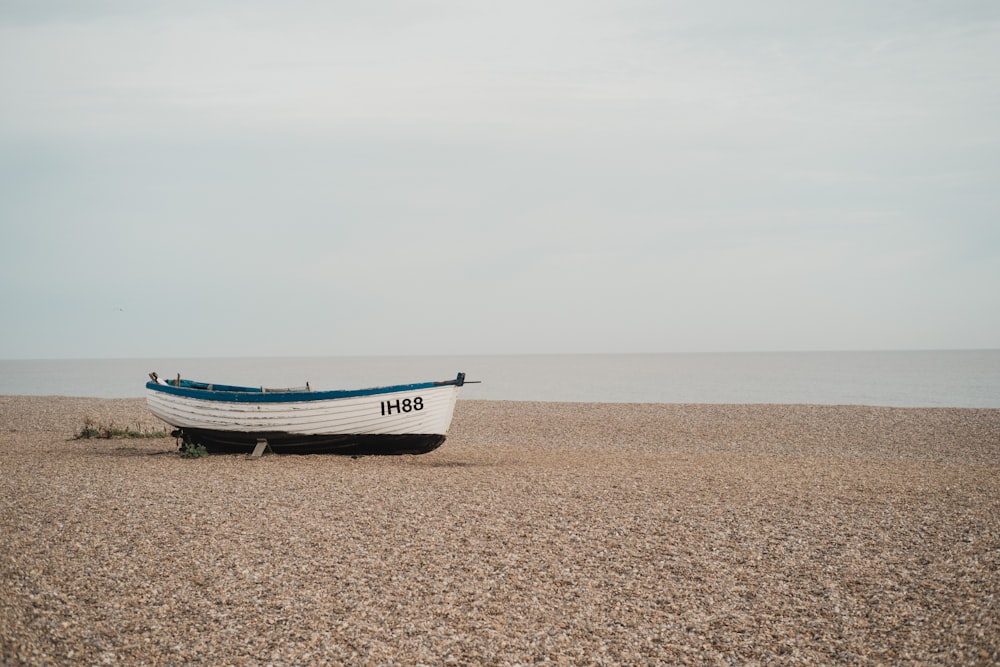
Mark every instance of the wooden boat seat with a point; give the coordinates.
(284, 390)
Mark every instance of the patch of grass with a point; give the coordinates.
(192, 450)
(92, 429)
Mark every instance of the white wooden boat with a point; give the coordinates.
(401, 419)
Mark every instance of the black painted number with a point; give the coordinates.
(404, 405)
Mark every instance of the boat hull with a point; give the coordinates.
(404, 419)
(355, 444)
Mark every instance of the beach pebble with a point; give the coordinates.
(539, 533)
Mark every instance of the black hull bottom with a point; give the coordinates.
(288, 443)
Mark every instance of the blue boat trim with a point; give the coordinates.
(233, 394)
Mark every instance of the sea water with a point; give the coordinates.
(958, 378)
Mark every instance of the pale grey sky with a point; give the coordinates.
(454, 177)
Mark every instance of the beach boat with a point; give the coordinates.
(401, 419)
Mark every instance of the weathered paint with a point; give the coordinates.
(395, 419)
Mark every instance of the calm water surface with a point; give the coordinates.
(908, 379)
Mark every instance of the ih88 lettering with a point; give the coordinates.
(405, 405)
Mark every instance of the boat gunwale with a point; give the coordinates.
(236, 394)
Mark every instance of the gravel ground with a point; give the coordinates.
(539, 532)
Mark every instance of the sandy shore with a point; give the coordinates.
(539, 532)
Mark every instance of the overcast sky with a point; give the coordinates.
(457, 177)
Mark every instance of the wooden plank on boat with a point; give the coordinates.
(404, 418)
(258, 451)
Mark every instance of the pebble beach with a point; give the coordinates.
(539, 533)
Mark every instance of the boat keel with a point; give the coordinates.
(290, 443)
